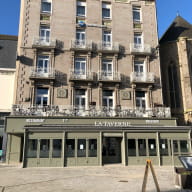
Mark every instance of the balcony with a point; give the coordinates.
(109, 76)
(92, 111)
(138, 77)
(81, 75)
(140, 49)
(42, 42)
(42, 73)
(81, 45)
(112, 47)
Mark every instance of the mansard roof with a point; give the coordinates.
(179, 28)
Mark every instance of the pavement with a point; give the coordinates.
(110, 178)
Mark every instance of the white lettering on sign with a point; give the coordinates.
(35, 120)
(151, 121)
(112, 124)
(65, 120)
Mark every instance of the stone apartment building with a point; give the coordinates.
(176, 64)
(89, 87)
(8, 47)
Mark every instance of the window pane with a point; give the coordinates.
(152, 147)
(32, 148)
(131, 147)
(81, 150)
(175, 146)
(81, 10)
(142, 147)
(44, 148)
(164, 147)
(46, 7)
(57, 146)
(92, 147)
(70, 148)
(105, 13)
(184, 146)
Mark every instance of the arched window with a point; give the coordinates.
(173, 86)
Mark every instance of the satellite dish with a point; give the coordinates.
(81, 24)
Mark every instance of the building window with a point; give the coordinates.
(107, 68)
(80, 37)
(81, 148)
(44, 148)
(108, 98)
(80, 98)
(107, 38)
(139, 66)
(152, 147)
(81, 8)
(32, 148)
(138, 40)
(173, 86)
(92, 147)
(184, 146)
(136, 14)
(57, 146)
(164, 147)
(106, 11)
(43, 64)
(80, 66)
(42, 95)
(142, 147)
(70, 148)
(45, 34)
(131, 147)
(140, 99)
(46, 6)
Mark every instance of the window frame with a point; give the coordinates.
(46, 1)
(42, 96)
(106, 6)
(136, 9)
(78, 5)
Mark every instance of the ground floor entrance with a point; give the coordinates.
(111, 150)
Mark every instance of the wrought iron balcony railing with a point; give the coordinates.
(81, 44)
(141, 77)
(91, 111)
(108, 46)
(42, 73)
(140, 48)
(81, 75)
(44, 42)
(108, 76)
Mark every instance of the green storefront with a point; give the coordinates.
(58, 142)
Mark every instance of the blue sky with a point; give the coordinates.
(166, 12)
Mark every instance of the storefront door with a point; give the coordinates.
(111, 150)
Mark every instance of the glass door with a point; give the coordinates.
(43, 65)
(107, 38)
(107, 69)
(45, 34)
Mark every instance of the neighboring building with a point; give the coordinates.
(89, 87)
(8, 48)
(176, 64)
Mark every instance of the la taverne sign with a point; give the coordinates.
(112, 123)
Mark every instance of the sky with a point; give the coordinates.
(167, 10)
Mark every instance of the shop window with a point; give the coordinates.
(92, 147)
(152, 147)
(44, 148)
(70, 148)
(164, 147)
(57, 146)
(32, 148)
(184, 147)
(142, 147)
(175, 147)
(81, 149)
(131, 147)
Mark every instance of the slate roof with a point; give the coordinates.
(8, 49)
(179, 28)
